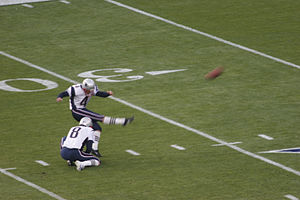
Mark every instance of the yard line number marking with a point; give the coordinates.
(4, 171)
(289, 150)
(155, 73)
(253, 155)
(49, 85)
(203, 33)
(120, 73)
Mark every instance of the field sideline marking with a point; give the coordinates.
(203, 33)
(253, 155)
(291, 197)
(4, 171)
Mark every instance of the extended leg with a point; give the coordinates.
(121, 121)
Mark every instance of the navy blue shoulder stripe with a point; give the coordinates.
(72, 98)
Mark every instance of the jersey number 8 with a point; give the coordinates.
(75, 132)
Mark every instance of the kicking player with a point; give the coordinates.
(72, 145)
(79, 95)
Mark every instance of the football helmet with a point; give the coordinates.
(88, 84)
(86, 121)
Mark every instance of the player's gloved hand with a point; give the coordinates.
(58, 99)
(110, 93)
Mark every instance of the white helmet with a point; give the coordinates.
(86, 121)
(88, 84)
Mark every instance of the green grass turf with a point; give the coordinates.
(255, 95)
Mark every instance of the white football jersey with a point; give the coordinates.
(78, 98)
(77, 135)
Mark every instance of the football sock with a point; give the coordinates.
(113, 120)
(97, 134)
(92, 162)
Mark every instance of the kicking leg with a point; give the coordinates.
(101, 118)
(121, 121)
(97, 132)
(79, 113)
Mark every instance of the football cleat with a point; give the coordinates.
(128, 120)
(79, 165)
(96, 153)
(70, 163)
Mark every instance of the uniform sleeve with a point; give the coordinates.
(99, 93)
(90, 141)
(71, 91)
(102, 94)
(89, 146)
(63, 94)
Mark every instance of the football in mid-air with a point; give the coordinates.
(214, 73)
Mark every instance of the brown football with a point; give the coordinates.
(214, 73)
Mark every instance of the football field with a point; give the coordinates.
(235, 137)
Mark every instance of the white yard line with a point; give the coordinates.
(291, 197)
(154, 73)
(12, 168)
(4, 171)
(178, 147)
(253, 155)
(42, 162)
(28, 5)
(203, 33)
(37, 67)
(132, 152)
(265, 137)
(232, 143)
(14, 2)
(65, 2)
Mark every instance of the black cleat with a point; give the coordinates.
(70, 163)
(128, 120)
(96, 153)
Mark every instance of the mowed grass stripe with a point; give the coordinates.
(253, 155)
(43, 190)
(204, 34)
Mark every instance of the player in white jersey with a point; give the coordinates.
(80, 95)
(72, 145)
